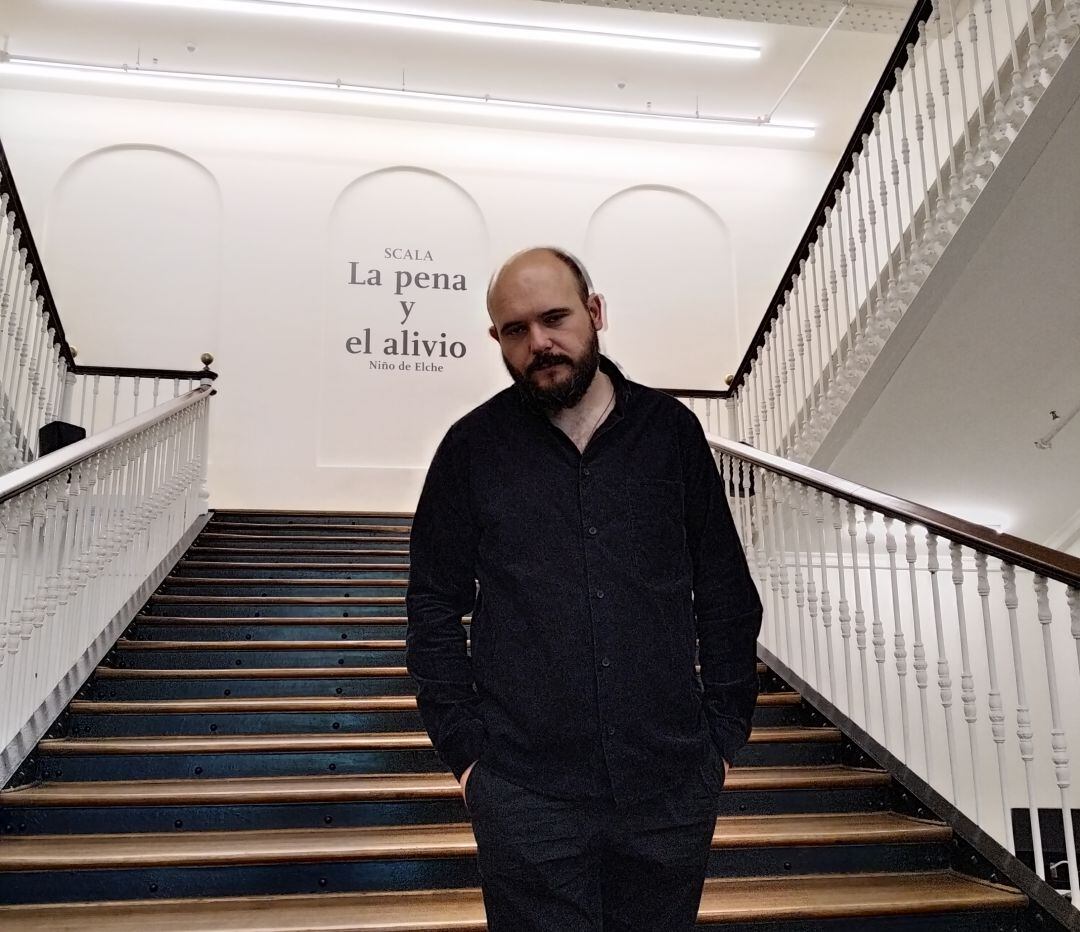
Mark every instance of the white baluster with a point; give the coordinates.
(843, 610)
(1058, 742)
(967, 679)
(996, 707)
(899, 645)
(860, 616)
(826, 600)
(918, 648)
(944, 676)
(878, 631)
(800, 583)
(811, 586)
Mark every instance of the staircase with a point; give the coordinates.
(249, 756)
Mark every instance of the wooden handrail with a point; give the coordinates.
(897, 59)
(1014, 550)
(26, 477)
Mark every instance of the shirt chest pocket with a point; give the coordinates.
(658, 531)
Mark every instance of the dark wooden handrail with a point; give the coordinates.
(1015, 550)
(15, 206)
(898, 59)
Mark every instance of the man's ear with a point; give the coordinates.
(493, 333)
(597, 308)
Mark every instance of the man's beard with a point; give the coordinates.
(560, 395)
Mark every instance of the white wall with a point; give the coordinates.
(169, 229)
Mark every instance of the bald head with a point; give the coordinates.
(548, 265)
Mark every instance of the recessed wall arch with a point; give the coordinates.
(133, 246)
(663, 259)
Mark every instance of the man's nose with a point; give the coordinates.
(539, 339)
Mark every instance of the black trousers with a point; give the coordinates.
(551, 865)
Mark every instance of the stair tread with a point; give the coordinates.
(294, 704)
(247, 846)
(279, 599)
(251, 673)
(129, 644)
(314, 565)
(346, 787)
(196, 744)
(232, 535)
(275, 581)
(260, 525)
(813, 896)
(273, 620)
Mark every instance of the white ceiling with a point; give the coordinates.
(830, 94)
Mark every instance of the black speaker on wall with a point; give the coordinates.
(57, 434)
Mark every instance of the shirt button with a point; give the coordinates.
(592, 532)
(611, 729)
(605, 662)
(599, 593)
(586, 473)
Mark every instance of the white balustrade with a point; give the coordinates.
(81, 530)
(1006, 745)
(965, 108)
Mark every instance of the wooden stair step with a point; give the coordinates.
(274, 525)
(278, 599)
(371, 787)
(292, 704)
(294, 551)
(253, 673)
(172, 580)
(724, 900)
(299, 743)
(314, 565)
(264, 673)
(321, 538)
(195, 620)
(269, 846)
(133, 645)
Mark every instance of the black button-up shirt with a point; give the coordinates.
(596, 570)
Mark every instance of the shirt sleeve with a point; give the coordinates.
(727, 608)
(442, 588)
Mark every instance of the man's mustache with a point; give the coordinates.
(546, 363)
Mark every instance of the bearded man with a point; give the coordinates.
(589, 509)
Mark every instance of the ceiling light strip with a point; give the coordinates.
(454, 25)
(426, 101)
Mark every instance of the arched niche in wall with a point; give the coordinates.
(133, 252)
(405, 349)
(663, 260)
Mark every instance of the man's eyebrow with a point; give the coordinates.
(550, 310)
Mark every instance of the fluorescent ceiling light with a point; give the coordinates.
(337, 11)
(427, 102)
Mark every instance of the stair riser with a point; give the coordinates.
(261, 590)
(239, 688)
(330, 571)
(257, 609)
(247, 689)
(233, 555)
(54, 821)
(257, 658)
(302, 541)
(105, 725)
(406, 874)
(203, 818)
(242, 723)
(354, 630)
(147, 765)
(289, 520)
